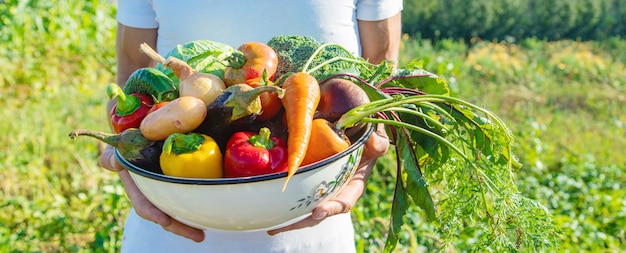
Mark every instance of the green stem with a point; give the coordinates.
(322, 47)
(262, 140)
(490, 184)
(362, 114)
(129, 143)
(438, 109)
(108, 138)
(489, 114)
(338, 58)
(420, 114)
(317, 52)
(237, 59)
(179, 143)
(126, 104)
(356, 114)
(365, 110)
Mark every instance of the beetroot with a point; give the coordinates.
(337, 96)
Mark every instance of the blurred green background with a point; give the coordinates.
(554, 71)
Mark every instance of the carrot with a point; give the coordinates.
(324, 134)
(302, 95)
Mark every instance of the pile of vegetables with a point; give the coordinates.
(208, 110)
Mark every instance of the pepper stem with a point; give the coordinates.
(126, 105)
(262, 140)
(178, 143)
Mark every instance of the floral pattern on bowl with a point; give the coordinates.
(323, 189)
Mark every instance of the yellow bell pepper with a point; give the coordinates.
(192, 156)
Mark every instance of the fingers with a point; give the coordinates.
(145, 209)
(346, 199)
(181, 229)
(342, 203)
(376, 145)
(108, 161)
(142, 205)
(307, 222)
(321, 212)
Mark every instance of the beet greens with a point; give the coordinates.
(463, 150)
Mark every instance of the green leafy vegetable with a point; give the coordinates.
(440, 141)
(204, 56)
(297, 53)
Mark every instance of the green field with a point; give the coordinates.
(565, 101)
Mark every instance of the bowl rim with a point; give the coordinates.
(240, 180)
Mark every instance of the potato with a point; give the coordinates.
(181, 115)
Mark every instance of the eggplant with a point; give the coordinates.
(232, 111)
(132, 145)
(275, 125)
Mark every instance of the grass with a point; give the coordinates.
(564, 101)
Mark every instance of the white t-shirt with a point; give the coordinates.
(334, 235)
(235, 22)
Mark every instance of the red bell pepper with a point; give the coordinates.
(129, 110)
(252, 154)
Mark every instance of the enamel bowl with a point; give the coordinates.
(250, 203)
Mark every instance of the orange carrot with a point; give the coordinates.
(324, 134)
(302, 94)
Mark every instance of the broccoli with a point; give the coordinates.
(294, 51)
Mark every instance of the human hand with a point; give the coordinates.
(144, 208)
(375, 146)
(108, 161)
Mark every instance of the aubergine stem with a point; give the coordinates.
(129, 142)
(245, 100)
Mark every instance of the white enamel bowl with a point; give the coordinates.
(249, 203)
